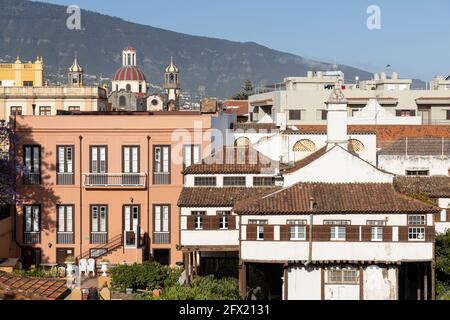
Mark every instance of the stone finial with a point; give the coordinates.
(337, 96)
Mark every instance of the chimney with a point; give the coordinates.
(310, 74)
(337, 119)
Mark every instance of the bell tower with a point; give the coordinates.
(76, 74)
(172, 85)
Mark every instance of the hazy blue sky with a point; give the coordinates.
(414, 36)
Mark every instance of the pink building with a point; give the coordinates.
(104, 185)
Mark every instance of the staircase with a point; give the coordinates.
(112, 245)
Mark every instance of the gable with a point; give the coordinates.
(338, 165)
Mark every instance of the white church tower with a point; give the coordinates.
(172, 85)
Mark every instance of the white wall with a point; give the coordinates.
(380, 283)
(398, 164)
(210, 238)
(338, 166)
(443, 227)
(304, 283)
(349, 251)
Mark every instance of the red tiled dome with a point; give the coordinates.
(129, 73)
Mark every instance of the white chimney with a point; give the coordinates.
(310, 74)
(337, 119)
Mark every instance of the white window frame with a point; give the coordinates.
(416, 234)
(259, 232)
(336, 233)
(377, 233)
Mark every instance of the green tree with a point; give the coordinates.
(443, 266)
(247, 90)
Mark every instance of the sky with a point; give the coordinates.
(414, 36)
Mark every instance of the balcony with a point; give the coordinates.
(115, 180)
(31, 179)
(32, 238)
(161, 237)
(65, 179)
(65, 238)
(99, 237)
(161, 178)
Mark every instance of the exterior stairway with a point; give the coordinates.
(113, 244)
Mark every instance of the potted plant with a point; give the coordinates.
(104, 268)
(70, 261)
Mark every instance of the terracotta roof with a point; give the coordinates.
(422, 146)
(305, 161)
(388, 133)
(433, 187)
(129, 73)
(32, 288)
(218, 197)
(238, 106)
(255, 126)
(229, 160)
(334, 198)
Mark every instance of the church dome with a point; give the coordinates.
(129, 73)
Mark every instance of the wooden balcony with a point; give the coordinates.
(115, 181)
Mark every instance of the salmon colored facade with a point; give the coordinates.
(104, 182)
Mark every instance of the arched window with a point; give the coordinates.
(355, 146)
(305, 145)
(122, 101)
(242, 142)
(128, 87)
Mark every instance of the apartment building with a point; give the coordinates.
(329, 226)
(20, 74)
(38, 99)
(302, 100)
(104, 185)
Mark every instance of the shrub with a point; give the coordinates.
(204, 288)
(146, 276)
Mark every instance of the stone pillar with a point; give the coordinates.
(242, 279)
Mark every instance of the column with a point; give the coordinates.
(242, 279)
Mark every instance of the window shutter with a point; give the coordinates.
(403, 233)
(307, 232)
(232, 222)
(413, 113)
(352, 233)
(437, 217)
(285, 233)
(366, 233)
(191, 222)
(269, 233)
(387, 234)
(251, 232)
(430, 234)
(321, 233)
(448, 215)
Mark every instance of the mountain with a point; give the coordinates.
(29, 29)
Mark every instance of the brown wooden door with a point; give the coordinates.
(31, 257)
(62, 254)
